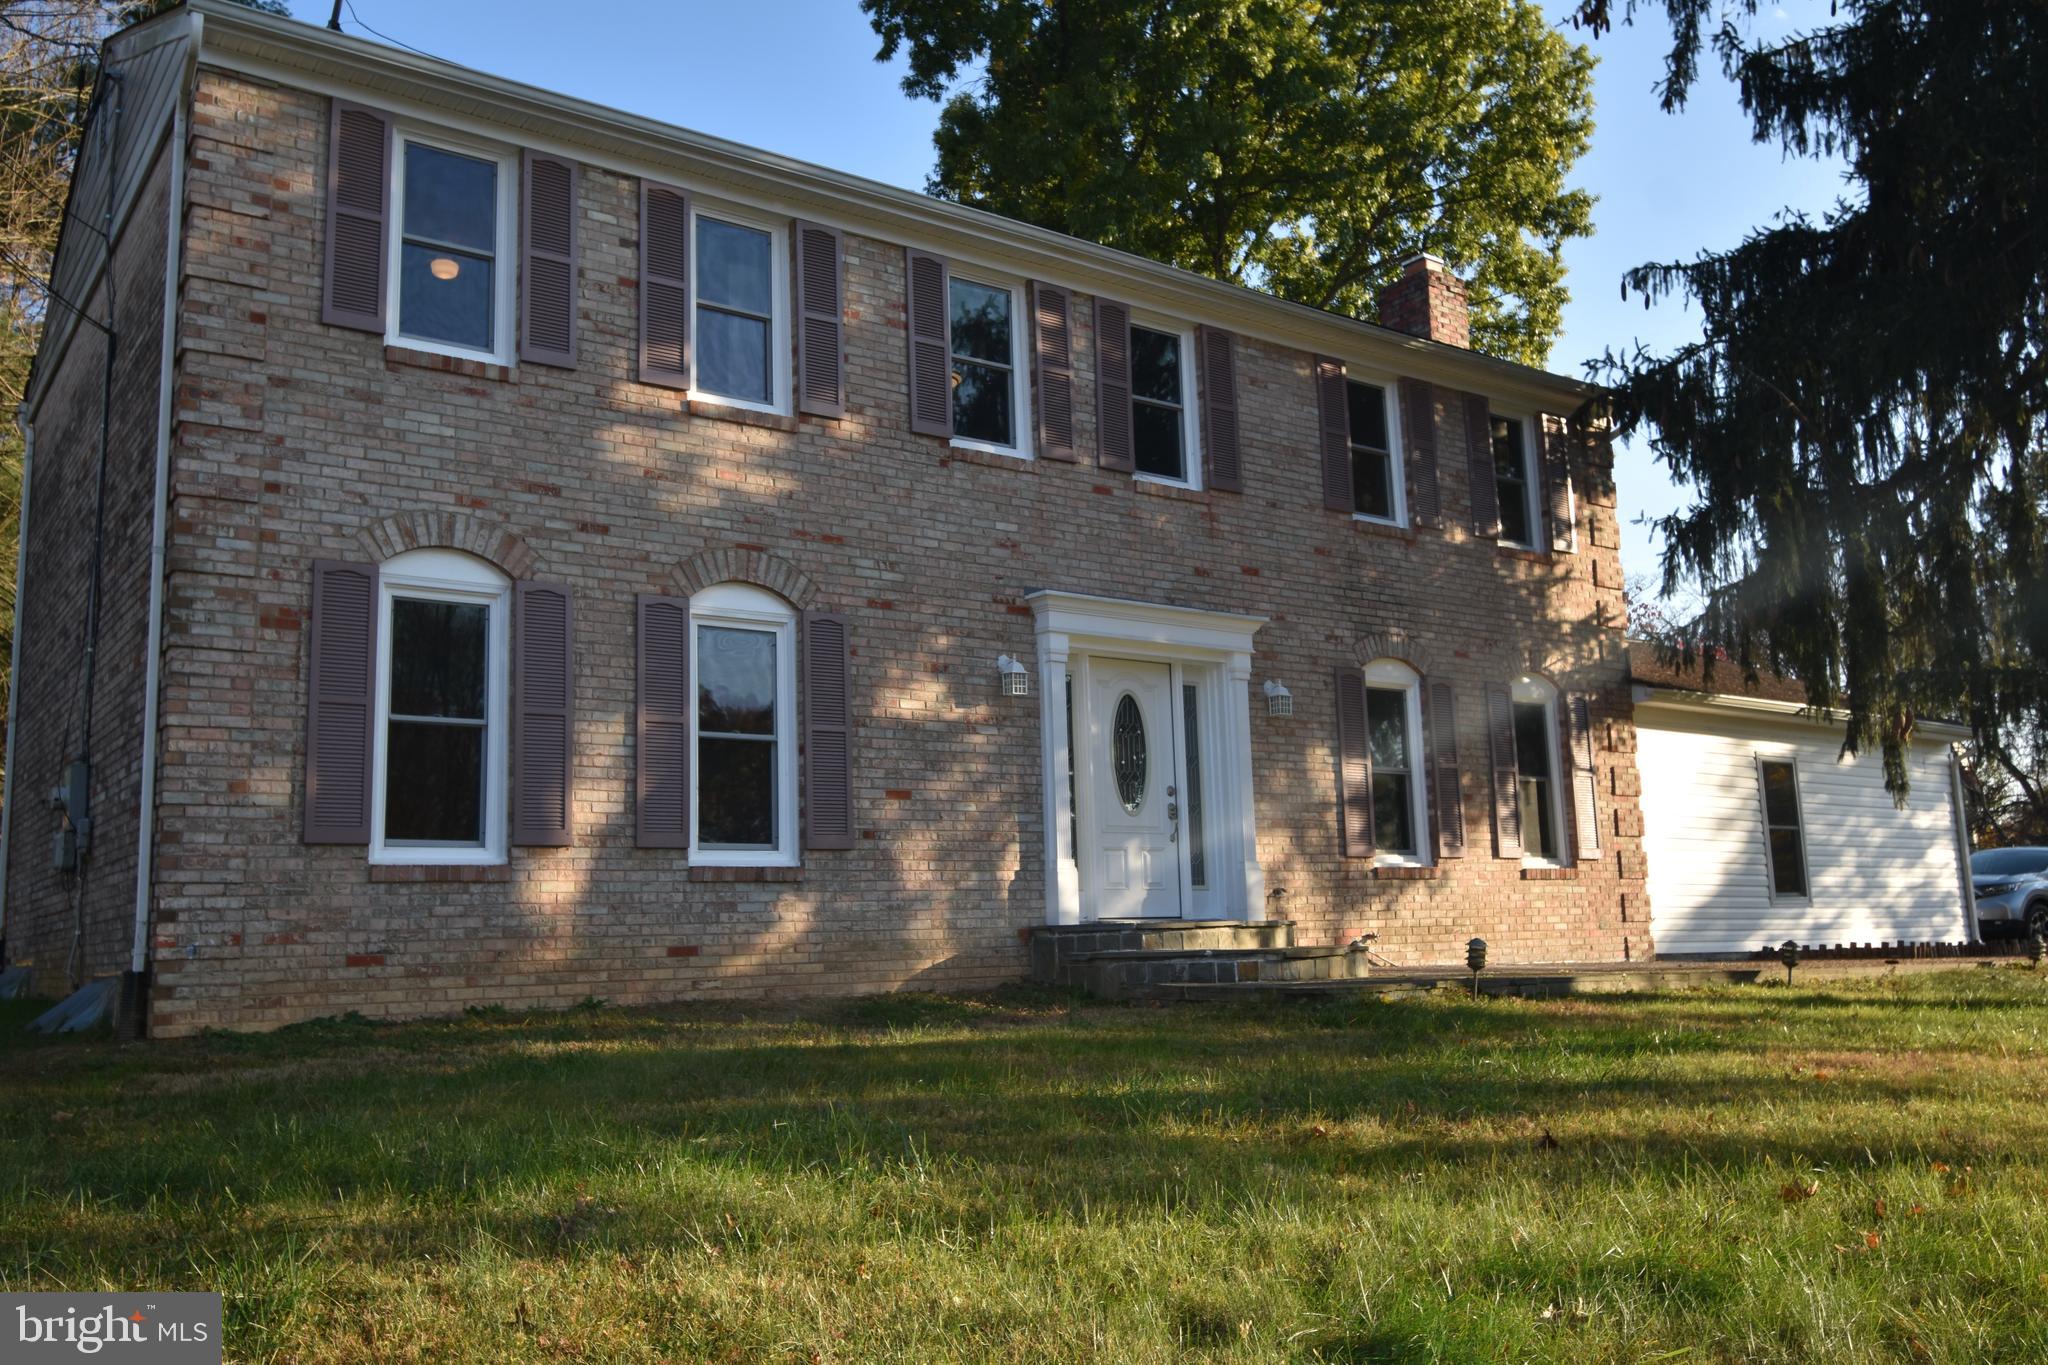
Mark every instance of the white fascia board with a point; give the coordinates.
(1767, 708)
(305, 57)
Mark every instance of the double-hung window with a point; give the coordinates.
(1784, 832)
(453, 267)
(739, 336)
(1162, 406)
(1514, 482)
(990, 393)
(1536, 763)
(743, 667)
(1375, 482)
(1393, 722)
(441, 688)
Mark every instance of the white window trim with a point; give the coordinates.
(749, 608)
(1397, 469)
(779, 355)
(1190, 405)
(1530, 690)
(1532, 481)
(504, 261)
(1763, 811)
(1021, 416)
(446, 576)
(1391, 675)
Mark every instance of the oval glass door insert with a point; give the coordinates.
(1129, 737)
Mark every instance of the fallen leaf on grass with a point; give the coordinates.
(1870, 1241)
(1547, 1143)
(1795, 1192)
(1878, 1208)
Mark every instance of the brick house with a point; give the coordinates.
(543, 553)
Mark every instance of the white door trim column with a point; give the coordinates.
(1071, 627)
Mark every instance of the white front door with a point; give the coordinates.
(1136, 798)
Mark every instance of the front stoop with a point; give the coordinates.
(1113, 958)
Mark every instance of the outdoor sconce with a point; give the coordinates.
(1016, 678)
(1475, 958)
(1279, 701)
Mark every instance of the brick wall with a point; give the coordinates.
(43, 905)
(297, 441)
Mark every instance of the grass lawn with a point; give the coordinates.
(1851, 1171)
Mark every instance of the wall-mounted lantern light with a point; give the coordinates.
(1279, 701)
(1016, 678)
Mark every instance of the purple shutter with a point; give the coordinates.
(828, 733)
(341, 701)
(1578, 739)
(1444, 773)
(1419, 452)
(547, 260)
(820, 304)
(1333, 412)
(1557, 482)
(1507, 804)
(543, 715)
(1222, 452)
(931, 353)
(1052, 355)
(664, 286)
(1354, 766)
(358, 216)
(1113, 386)
(1479, 459)
(661, 723)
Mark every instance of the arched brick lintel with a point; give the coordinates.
(424, 530)
(1395, 644)
(745, 564)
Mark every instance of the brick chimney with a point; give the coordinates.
(1427, 301)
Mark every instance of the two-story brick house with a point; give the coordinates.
(544, 553)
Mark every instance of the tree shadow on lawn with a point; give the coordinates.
(1139, 1110)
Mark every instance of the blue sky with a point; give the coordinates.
(798, 77)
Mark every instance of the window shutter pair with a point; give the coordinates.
(341, 709)
(1557, 481)
(1575, 735)
(359, 227)
(1439, 770)
(661, 786)
(928, 313)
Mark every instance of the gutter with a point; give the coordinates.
(145, 837)
(28, 464)
(1646, 695)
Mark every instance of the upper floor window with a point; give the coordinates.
(1784, 834)
(1515, 482)
(453, 278)
(1393, 721)
(1162, 415)
(989, 385)
(743, 679)
(739, 285)
(1375, 485)
(441, 729)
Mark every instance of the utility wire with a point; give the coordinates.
(385, 36)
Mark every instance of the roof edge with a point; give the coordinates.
(321, 59)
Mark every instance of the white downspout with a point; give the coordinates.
(174, 241)
(28, 464)
(1959, 805)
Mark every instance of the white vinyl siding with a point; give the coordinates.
(1875, 873)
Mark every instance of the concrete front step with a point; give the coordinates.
(1135, 975)
(1056, 947)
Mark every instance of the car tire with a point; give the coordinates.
(2037, 921)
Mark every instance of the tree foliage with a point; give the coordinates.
(1303, 148)
(1862, 421)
